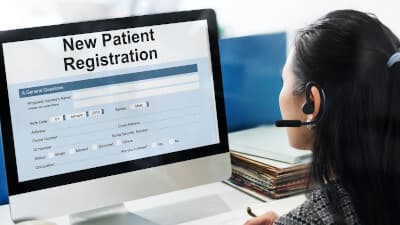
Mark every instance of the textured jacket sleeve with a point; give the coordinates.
(302, 215)
(315, 210)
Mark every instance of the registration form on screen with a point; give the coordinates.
(89, 100)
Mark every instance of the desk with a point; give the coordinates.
(215, 203)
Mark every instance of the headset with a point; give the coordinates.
(308, 108)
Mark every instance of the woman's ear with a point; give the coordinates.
(315, 97)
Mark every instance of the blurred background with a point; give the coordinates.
(236, 18)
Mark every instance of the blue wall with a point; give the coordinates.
(3, 184)
(251, 72)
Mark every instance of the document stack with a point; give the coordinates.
(264, 164)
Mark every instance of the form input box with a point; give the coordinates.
(136, 95)
(135, 86)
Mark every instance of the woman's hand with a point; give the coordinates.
(267, 218)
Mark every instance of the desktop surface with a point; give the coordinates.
(211, 204)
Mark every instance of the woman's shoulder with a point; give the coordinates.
(318, 208)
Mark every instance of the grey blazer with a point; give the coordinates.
(315, 210)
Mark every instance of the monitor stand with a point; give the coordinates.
(109, 215)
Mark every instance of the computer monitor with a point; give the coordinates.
(101, 112)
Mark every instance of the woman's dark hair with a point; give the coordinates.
(357, 141)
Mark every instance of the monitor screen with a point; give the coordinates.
(92, 101)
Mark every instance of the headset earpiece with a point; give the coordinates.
(308, 106)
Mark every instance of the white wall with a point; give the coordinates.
(255, 16)
(28, 13)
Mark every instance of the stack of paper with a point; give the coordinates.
(263, 162)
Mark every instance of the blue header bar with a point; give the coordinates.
(97, 82)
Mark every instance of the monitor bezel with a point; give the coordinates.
(15, 187)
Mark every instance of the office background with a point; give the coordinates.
(255, 38)
(236, 18)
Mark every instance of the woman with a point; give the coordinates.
(346, 68)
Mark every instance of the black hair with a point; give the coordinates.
(357, 142)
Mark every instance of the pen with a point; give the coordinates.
(250, 212)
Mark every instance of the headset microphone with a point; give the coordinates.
(308, 108)
(289, 123)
